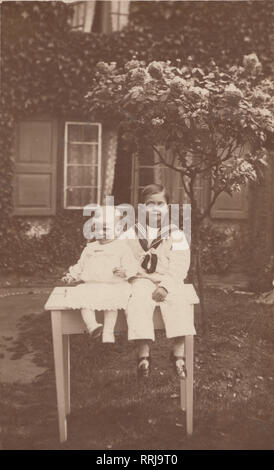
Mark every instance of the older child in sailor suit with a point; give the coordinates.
(164, 260)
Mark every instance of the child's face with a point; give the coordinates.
(105, 225)
(156, 205)
(106, 229)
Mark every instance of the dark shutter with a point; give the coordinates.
(35, 168)
(231, 207)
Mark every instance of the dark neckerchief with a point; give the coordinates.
(151, 259)
(142, 237)
(141, 233)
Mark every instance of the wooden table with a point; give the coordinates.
(66, 322)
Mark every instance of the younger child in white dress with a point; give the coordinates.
(104, 267)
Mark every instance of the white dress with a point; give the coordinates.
(102, 290)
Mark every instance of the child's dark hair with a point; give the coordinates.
(154, 188)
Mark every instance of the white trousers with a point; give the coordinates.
(176, 312)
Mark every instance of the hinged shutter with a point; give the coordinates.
(235, 206)
(35, 168)
(261, 217)
(231, 207)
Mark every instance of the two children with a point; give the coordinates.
(137, 272)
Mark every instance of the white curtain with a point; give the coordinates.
(89, 16)
(109, 157)
(169, 178)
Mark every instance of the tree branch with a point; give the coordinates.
(168, 165)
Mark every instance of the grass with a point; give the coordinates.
(13, 279)
(111, 409)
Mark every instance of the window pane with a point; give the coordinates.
(81, 12)
(146, 176)
(82, 133)
(78, 14)
(82, 175)
(83, 153)
(79, 197)
(75, 132)
(171, 180)
(140, 194)
(146, 157)
(90, 133)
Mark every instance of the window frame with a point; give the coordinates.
(66, 164)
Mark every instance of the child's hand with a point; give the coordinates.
(159, 294)
(68, 279)
(120, 272)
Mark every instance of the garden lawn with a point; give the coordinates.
(111, 409)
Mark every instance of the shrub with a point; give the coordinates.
(65, 240)
(261, 275)
(19, 252)
(25, 254)
(220, 248)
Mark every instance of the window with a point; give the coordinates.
(144, 172)
(100, 16)
(82, 166)
(119, 14)
(148, 169)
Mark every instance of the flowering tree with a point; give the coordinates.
(214, 123)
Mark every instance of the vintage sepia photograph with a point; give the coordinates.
(137, 227)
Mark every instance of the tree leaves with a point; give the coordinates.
(187, 123)
(211, 117)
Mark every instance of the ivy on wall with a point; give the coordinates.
(222, 30)
(47, 68)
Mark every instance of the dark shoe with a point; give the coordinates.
(96, 333)
(143, 366)
(178, 363)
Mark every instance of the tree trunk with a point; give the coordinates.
(200, 279)
(195, 275)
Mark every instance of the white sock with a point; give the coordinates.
(89, 318)
(143, 348)
(110, 317)
(179, 346)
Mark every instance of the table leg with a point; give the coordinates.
(66, 356)
(58, 350)
(183, 391)
(183, 394)
(189, 344)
